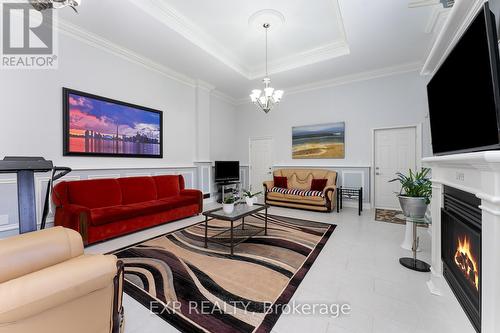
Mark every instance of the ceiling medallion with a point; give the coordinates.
(267, 100)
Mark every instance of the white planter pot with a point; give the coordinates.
(250, 201)
(228, 208)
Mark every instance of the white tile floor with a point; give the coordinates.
(358, 266)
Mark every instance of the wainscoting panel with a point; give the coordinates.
(9, 219)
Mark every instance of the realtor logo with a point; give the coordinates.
(28, 38)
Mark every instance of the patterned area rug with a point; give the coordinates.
(208, 290)
(392, 216)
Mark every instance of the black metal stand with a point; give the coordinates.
(414, 263)
(350, 193)
(25, 168)
(26, 200)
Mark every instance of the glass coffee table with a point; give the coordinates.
(236, 233)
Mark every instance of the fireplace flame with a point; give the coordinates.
(465, 260)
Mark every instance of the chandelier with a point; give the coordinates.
(269, 98)
(54, 4)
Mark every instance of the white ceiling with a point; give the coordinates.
(213, 41)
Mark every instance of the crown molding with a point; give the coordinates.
(423, 3)
(224, 97)
(160, 10)
(106, 45)
(200, 84)
(458, 20)
(438, 14)
(322, 53)
(347, 79)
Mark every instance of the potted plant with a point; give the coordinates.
(250, 198)
(228, 204)
(415, 193)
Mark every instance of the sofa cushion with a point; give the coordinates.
(105, 215)
(94, 193)
(281, 182)
(137, 189)
(300, 183)
(318, 184)
(296, 192)
(302, 198)
(167, 186)
(275, 196)
(180, 201)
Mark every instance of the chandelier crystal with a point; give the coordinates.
(270, 97)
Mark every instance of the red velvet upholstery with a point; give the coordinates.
(167, 186)
(95, 193)
(318, 184)
(137, 189)
(281, 182)
(106, 208)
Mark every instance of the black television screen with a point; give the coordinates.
(227, 171)
(464, 93)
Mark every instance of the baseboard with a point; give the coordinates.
(354, 204)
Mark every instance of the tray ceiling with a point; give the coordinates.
(212, 40)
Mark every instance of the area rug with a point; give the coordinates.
(208, 290)
(392, 216)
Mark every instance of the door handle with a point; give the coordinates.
(377, 173)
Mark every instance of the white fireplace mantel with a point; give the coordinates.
(479, 174)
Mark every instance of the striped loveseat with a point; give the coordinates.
(298, 193)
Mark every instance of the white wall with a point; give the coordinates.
(31, 105)
(382, 102)
(223, 135)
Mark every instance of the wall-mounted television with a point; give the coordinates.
(464, 95)
(100, 126)
(227, 171)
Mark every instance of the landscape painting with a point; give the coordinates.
(319, 141)
(103, 127)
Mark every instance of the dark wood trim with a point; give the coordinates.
(83, 227)
(118, 312)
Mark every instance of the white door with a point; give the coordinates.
(261, 163)
(395, 151)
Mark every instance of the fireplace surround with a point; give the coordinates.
(478, 175)
(461, 249)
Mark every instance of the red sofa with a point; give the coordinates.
(101, 209)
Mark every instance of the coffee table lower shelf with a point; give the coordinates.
(235, 235)
(238, 232)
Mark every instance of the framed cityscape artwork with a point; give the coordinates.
(99, 126)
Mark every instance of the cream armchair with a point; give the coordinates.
(47, 285)
(301, 179)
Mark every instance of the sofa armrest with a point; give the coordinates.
(268, 185)
(330, 192)
(75, 217)
(194, 193)
(34, 293)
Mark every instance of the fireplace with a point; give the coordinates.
(461, 250)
